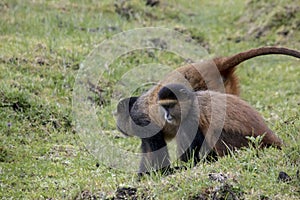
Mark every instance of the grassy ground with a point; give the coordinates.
(41, 47)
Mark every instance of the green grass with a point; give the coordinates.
(41, 47)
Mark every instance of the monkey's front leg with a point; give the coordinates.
(155, 155)
(189, 145)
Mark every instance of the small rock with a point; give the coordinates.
(152, 3)
(125, 193)
(284, 177)
(217, 177)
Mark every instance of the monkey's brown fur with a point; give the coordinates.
(240, 119)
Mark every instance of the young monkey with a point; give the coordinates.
(223, 121)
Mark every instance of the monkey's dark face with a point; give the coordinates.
(170, 111)
(175, 101)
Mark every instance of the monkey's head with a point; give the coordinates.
(132, 120)
(123, 114)
(175, 102)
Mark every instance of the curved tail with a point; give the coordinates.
(225, 63)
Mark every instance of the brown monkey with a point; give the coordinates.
(133, 114)
(182, 109)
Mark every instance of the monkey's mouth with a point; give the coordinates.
(170, 119)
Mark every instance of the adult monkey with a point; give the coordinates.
(136, 115)
(181, 109)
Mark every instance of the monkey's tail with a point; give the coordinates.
(226, 63)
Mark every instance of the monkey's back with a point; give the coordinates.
(230, 119)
